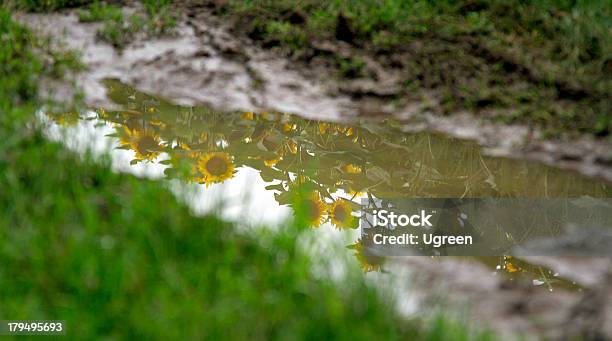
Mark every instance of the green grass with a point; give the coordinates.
(541, 62)
(48, 5)
(101, 12)
(119, 29)
(440, 328)
(118, 257)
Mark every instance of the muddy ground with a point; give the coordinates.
(514, 308)
(204, 64)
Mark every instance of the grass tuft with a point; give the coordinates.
(119, 29)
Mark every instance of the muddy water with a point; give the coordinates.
(246, 164)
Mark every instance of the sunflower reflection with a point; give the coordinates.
(216, 167)
(314, 210)
(145, 144)
(340, 213)
(366, 262)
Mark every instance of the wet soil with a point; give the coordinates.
(517, 308)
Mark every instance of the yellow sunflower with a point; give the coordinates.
(198, 178)
(314, 210)
(144, 144)
(364, 262)
(340, 214)
(216, 167)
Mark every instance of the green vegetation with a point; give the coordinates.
(119, 257)
(443, 329)
(101, 12)
(540, 62)
(119, 29)
(116, 29)
(351, 67)
(48, 5)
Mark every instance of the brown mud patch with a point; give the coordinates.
(517, 309)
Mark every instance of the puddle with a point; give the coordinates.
(244, 165)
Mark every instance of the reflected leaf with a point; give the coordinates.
(378, 174)
(277, 187)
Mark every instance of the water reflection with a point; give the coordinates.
(340, 163)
